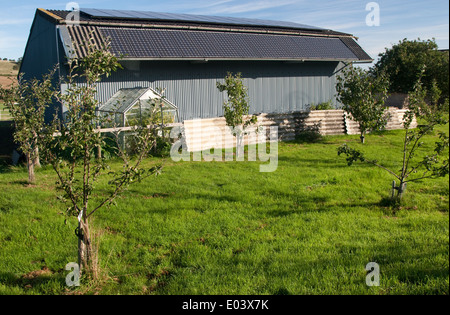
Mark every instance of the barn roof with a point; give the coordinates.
(141, 35)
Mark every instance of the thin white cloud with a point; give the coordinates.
(344, 26)
(15, 21)
(213, 4)
(181, 6)
(9, 46)
(399, 19)
(240, 8)
(376, 41)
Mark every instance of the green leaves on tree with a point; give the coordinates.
(363, 96)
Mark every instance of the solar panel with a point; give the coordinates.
(200, 44)
(125, 14)
(99, 13)
(147, 15)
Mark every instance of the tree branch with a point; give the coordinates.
(384, 168)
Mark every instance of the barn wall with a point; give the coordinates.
(43, 52)
(274, 87)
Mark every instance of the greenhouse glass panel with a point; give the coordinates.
(138, 106)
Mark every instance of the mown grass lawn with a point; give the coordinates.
(311, 227)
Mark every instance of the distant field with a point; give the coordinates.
(7, 68)
(6, 81)
(8, 76)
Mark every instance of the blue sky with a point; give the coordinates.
(398, 19)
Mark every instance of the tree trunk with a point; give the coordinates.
(36, 159)
(35, 154)
(239, 148)
(30, 166)
(239, 143)
(398, 196)
(99, 152)
(401, 190)
(363, 138)
(85, 248)
(99, 148)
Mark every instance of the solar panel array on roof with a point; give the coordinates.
(147, 15)
(356, 49)
(150, 43)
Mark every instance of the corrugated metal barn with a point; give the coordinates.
(286, 66)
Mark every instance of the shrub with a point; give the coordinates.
(309, 134)
(323, 106)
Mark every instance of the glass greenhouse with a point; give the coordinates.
(137, 106)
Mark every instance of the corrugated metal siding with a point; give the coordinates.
(274, 87)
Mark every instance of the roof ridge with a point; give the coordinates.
(169, 20)
(154, 15)
(60, 16)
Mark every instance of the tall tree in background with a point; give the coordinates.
(404, 63)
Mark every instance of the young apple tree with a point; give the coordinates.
(236, 108)
(363, 96)
(27, 103)
(73, 144)
(417, 163)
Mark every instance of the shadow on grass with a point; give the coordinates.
(440, 191)
(411, 268)
(4, 168)
(220, 198)
(337, 163)
(34, 282)
(22, 183)
(9, 169)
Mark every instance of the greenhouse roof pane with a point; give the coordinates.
(123, 100)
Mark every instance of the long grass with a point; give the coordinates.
(311, 227)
